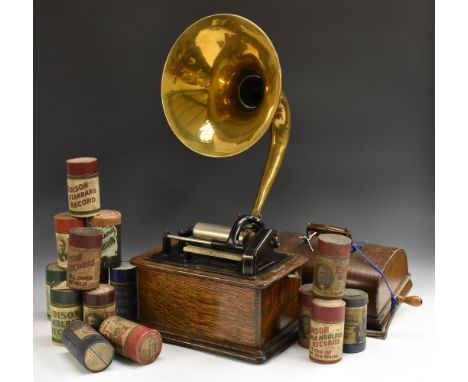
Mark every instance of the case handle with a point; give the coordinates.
(325, 228)
(410, 300)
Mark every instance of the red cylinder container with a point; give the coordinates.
(134, 341)
(305, 301)
(326, 330)
(331, 265)
(83, 186)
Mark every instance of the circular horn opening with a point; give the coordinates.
(251, 90)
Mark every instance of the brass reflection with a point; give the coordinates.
(221, 91)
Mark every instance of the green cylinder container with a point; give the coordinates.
(54, 274)
(65, 306)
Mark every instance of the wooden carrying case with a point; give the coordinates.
(248, 319)
(392, 261)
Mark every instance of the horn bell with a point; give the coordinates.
(221, 85)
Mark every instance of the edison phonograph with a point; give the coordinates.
(224, 288)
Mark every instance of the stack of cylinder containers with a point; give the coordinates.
(337, 315)
(79, 295)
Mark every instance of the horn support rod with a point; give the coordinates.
(280, 129)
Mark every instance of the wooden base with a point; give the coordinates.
(247, 319)
(282, 341)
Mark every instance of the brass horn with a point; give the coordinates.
(221, 90)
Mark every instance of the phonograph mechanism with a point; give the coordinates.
(224, 289)
(221, 91)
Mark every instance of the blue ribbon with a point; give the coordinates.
(357, 246)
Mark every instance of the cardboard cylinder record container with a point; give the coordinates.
(331, 265)
(88, 347)
(98, 304)
(124, 281)
(83, 186)
(134, 341)
(109, 222)
(63, 223)
(65, 305)
(84, 258)
(355, 320)
(305, 300)
(54, 274)
(326, 330)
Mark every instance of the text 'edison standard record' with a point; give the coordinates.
(63, 223)
(83, 186)
(109, 222)
(326, 330)
(331, 265)
(65, 307)
(88, 347)
(134, 341)
(84, 258)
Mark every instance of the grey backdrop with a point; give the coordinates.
(359, 76)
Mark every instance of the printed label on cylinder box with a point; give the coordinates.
(330, 276)
(94, 316)
(355, 326)
(326, 340)
(84, 266)
(83, 195)
(61, 242)
(118, 331)
(61, 318)
(110, 242)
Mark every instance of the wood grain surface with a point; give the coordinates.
(251, 319)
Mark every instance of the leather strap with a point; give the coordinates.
(325, 228)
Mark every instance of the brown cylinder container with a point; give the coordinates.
(98, 304)
(84, 258)
(331, 265)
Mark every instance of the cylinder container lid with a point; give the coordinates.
(61, 294)
(102, 355)
(54, 273)
(327, 310)
(63, 222)
(106, 218)
(125, 273)
(82, 166)
(102, 295)
(144, 345)
(331, 244)
(355, 298)
(85, 237)
(306, 295)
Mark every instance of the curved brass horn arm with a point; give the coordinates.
(280, 130)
